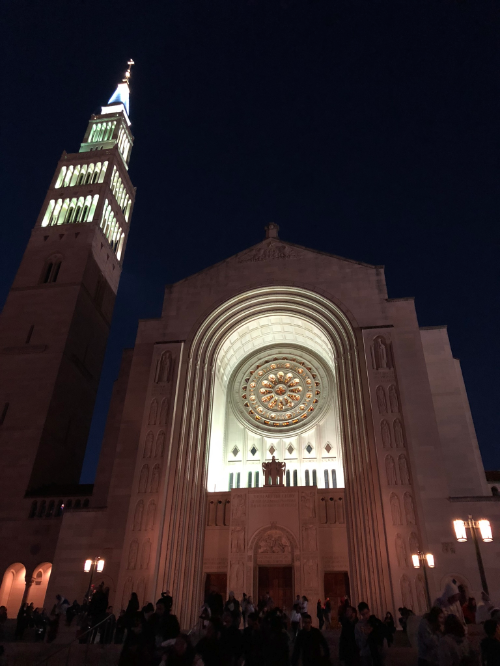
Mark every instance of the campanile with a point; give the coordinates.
(55, 323)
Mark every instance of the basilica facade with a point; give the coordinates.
(279, 352)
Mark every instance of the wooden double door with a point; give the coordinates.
(278, 582)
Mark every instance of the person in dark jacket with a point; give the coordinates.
(490, 646)
(253, 641)
(348, 650)
(232, 606)
(391, 627)
(310, 645)
(320, 614)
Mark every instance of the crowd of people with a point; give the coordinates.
(232, 632)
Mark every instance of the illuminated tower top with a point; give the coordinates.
(112, 126)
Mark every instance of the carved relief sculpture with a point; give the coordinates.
(386, 434)
(414, 543)
(155, 479)
(138, 516)
(150, 515)
(401, 551)
(381, 400)
(270, 252)
(307, 504)
(237, 576)
(274, 541)
(237, 540)
(396, 510)
(404, 474)
(393, 399)
(164, 368)
(381, 353)
(160, 444)
(398, 434)
(132, 554)
(164, 411)
(390, 471)
(148, 446)
(239, 509)
(152, 413)
(309, 541)
(421, 599)
(406, 592)
(143, 479)
(409, 509)
(273, 472)
(145, 554)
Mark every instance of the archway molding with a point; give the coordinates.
(13, 588)
(40, 580)
(181, 550)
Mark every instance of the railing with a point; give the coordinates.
(67, 646)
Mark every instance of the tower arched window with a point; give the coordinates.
(61, 176)
(83, 173)
(50, 509)
(76, 175)
(69, 176)
(51, 269)
(238, 479)
(295, 478)
(257, 481)
(41, 510)
(287, 477)
(315, 478)
(231, 480)
(327, 484)
(249, 479)
(334, 478)
(90, 173)
(59, 508)
(34, 506)
(307, 478)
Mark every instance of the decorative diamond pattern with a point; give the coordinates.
(235, 451)
(309, 449)
(290, 449)
(272, 450)
(253, 450)
(328, 447)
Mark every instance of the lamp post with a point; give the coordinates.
(97, 564)
(424, 561)
(484, 528)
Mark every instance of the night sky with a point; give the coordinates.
(366, 129)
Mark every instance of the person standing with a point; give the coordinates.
(304, 602)
(310, 645)
(469, 610)
(449, 601)
(320, 614)
(295, 618)
(455, 648)
(430, 632)
(328, 613)
(232, 606)
(490, 646)
(243, 606)
(348, 650)
(362, 633)
(390, 627)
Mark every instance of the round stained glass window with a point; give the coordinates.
(283, 392)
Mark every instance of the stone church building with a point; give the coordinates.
(281, 351)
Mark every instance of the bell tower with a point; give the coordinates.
(55, 323)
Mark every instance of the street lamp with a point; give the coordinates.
(484, 528)
(90, 566)
(420, 559)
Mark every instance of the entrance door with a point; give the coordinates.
(278, 581)
(336, 587)
(216, 582)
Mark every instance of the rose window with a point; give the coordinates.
(281, 392)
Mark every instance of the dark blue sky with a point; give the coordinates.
(365, 129)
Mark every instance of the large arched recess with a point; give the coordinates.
(182, 545)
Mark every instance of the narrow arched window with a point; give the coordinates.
(307, 478)
(97, 171)
(78, 504)
(60, 178)
(76, 174)
(85, 503)
(231, 480)
(287, 477)
(315, 478)
(249, 479)
(41, 510)
(50, 510)
(34, 506)
(327, 484)
(69, 505)
(334, 478)
(295, 478)
(257, 482)
(69, 174)
(238, 479)
(59, 508)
